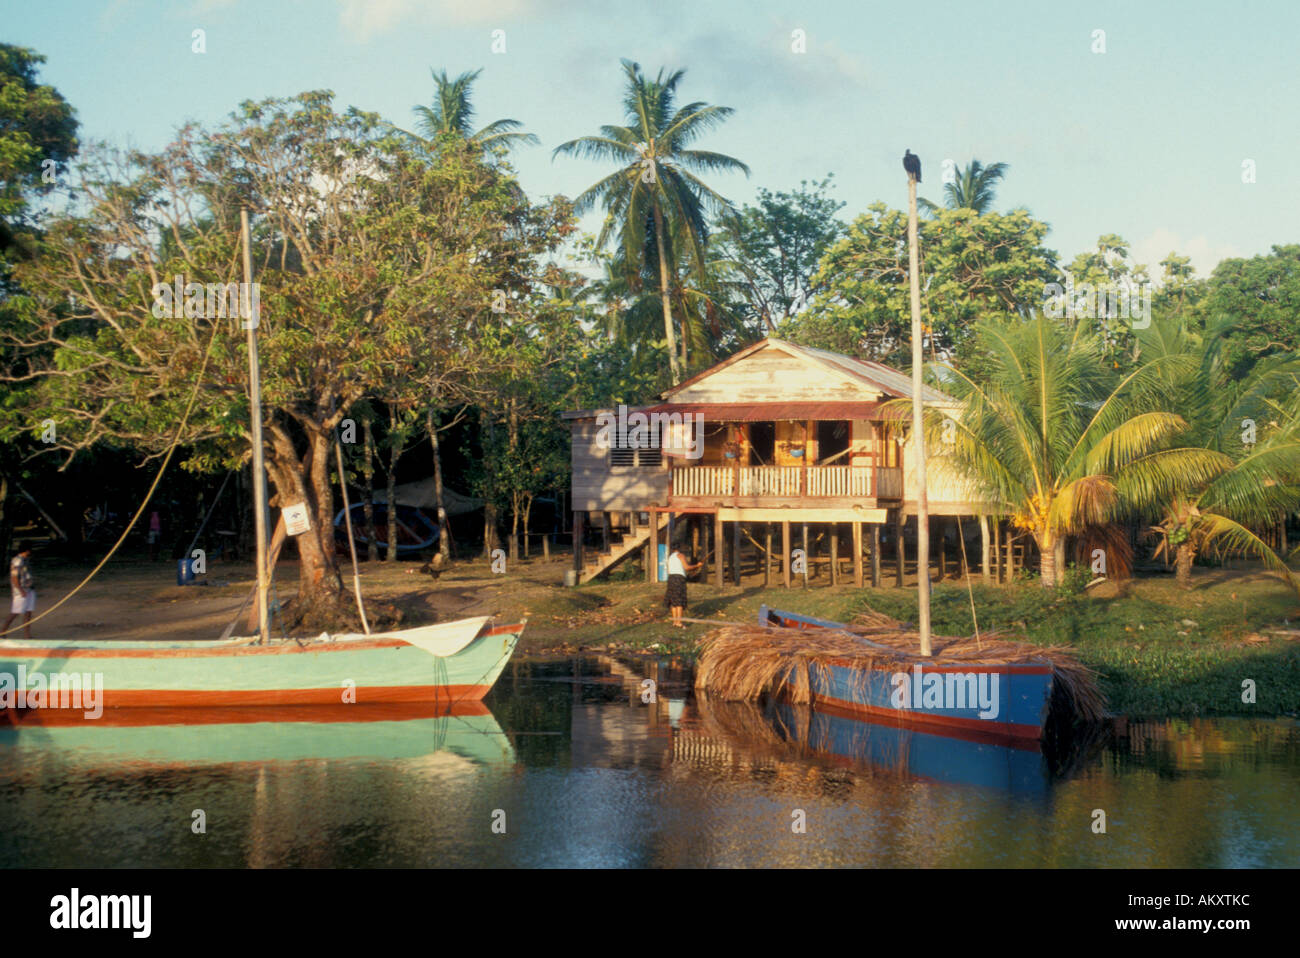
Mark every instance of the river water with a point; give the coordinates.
(579, 762)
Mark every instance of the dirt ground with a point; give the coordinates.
(133, 598)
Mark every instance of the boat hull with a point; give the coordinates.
(444, 664)
(978, 701)
(924, 754)
(188, 737)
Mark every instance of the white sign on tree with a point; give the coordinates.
(296, 520)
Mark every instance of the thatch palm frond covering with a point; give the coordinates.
(748, 663)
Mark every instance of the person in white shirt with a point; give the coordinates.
(23, 596)
(675, 599)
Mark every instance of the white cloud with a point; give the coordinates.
(364, 19)
(1204, 254)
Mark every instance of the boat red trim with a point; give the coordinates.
(227, 715)
(974, 730)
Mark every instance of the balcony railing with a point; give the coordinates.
(787, 482)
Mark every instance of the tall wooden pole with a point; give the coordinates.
(918, 433)
(259, 468)
(352, 543)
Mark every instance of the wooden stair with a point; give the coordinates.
(627, 545)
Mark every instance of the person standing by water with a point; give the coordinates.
(678, 570)
(20, 587)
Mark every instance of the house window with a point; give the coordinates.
(623, 458)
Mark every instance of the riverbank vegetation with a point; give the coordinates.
(420, 306)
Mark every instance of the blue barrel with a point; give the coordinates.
(184, 571)
(663, 562)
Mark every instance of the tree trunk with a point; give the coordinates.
(664, 298)
(1047, 560)
(444, 538)
(1183, 559)
(368, 507)
(528, 511)
(514, 526)
(306, 480)
(390, 554)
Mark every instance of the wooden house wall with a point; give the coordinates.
(598, 487)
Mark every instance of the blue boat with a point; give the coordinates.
(1015, 766)
(976, 701)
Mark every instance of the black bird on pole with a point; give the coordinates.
(912, 163)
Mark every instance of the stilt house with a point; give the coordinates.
(778, 442)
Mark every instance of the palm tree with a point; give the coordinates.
(656, 187)
(1251, 425)
(1051, 438)
(974, 188)
(452, 115)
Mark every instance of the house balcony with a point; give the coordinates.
(704, 487)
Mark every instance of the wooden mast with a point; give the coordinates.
(918, 433)
(259, 468)
(352, 543)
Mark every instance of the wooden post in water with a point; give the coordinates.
(918, 425)
(259, 467)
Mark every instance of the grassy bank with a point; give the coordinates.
(1160, 651)
(1151, 661)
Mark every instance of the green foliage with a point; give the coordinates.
(973, 188)
(36, 124)
(451, 117)
(1260, 297)
(974, 268)
(655, 201)
(1075, 579)
(776, 246)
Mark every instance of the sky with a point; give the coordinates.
(1146, 139)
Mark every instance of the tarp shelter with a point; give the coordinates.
(420, 496)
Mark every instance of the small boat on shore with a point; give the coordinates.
(977, 697)
(441, 664)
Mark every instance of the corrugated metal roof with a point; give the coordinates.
(773, 411)
(893, 381)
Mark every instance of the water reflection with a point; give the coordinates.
(572, 762)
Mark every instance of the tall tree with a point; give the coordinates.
(776, 246)
(974, 268)
(452, 115)
(1249, 426)
(975, 188)
(657, 180)
(1052, 437)
(374, 264)
(1262, 295)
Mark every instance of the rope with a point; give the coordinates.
(176, 441)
